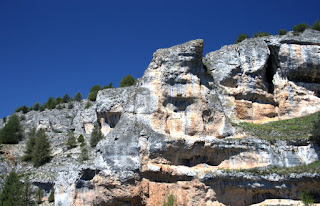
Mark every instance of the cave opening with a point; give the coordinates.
(270, 70)
(110, 118)
(180, 104)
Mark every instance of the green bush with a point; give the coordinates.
(42, 108)
(4, 119)
(24, 109)
(306, 198)
(77, 97)
(261, 34)
(93, 92)
(84, 154)
(51, 196)
(80, 138)
(299, 28)
(316, 25)
(96, 136)
(171, 201)
(71, 141)
(282, 32)
(66, 98)
(241, 37)
(50, 103)
(108, 86)
(12, 132)
(127, 81)
(36, 106)
(58, 100)
(88, 105)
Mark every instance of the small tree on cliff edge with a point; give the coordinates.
(127, 81)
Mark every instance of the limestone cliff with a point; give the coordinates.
(173, 133)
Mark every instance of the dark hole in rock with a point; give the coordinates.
(180, 104)
(88, 174)
(111, 118)
(270, 70)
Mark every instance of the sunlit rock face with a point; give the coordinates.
(183, 94)
(269, 77)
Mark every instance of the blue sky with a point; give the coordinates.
(50, 48)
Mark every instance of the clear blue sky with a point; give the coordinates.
(50, 48)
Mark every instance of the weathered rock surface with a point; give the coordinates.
(171, 133)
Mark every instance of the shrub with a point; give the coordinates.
(66, 98)
(261, 34)
(315, 133)
(71, 141)
(171, 201)
(241, 37)
(88, 105)
(80, 138)
(299, 28)
(24, 109)
(93, 92)
(12, 132)
(282, 32)
(77, 97)
(316, 25)
(18, 109)
(36, 106)
(96, 136)
(127, 81)
(58, 100)
(306, 198)
(4, 119)
(84, 154)
(108, 86)
(42, 108)
(50, 103)
(51, 196)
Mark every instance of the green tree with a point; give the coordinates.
(108, 86)
(66, 98)
(316, 25)
(58, 100)
(32, 135)
(50, 103)
(36, 106)
(93, 92)
(96, 136)
(77, 97)
(42, 108)
(84, 154)
(241, 37)
(171, 201)
(4, 119)
(80, 138)
(41, 153)
(282, 32)
(18, 109)
(299, 28)
(12, 191)
(12, 132)
(261, 34)
(24, 109)
(71, 141)
(51, 196)
(127, 81)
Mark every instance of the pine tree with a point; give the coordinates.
(36, 106)
(30, 145)
(316, 25)
(77, 97)
(12, 191)
(71, 141)
(12, 132)
(93, 92)
(51, 103)
(66, 98)
(96, 136)
(41, 151)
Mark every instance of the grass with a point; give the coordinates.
(291, 129)
(309, 168)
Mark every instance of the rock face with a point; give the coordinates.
(172, 132)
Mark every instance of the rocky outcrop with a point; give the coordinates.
(172, 132)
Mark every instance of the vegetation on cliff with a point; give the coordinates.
(12, 132)
(300, 128)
